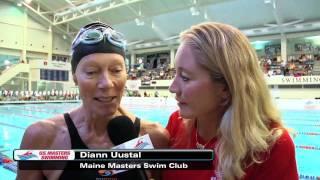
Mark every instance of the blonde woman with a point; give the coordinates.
(225, 105)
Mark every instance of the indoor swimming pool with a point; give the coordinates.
(301, 115)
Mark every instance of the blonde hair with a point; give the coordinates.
(246, 129)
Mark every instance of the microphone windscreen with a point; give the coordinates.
(121, 129)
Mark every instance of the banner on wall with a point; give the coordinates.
(291, 80)
(133, 85)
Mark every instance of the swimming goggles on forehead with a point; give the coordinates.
(97, 32)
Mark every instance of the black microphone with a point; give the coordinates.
(120, 130)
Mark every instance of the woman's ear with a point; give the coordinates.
(225, 95)
(75, 79)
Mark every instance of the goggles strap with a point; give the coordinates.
(103, 46)
(107, 44)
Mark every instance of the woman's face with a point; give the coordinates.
(196, 93)
(101, 78)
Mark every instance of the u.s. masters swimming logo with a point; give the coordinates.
(27, 155)
(141, 144)
(104, 172)
(108, 173)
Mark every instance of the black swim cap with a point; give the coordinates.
(83, 46)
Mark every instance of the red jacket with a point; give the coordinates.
(279, 164)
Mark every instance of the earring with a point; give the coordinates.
(225, 101)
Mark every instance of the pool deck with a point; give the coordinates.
(38, 102)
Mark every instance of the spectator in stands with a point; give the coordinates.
(282, 68)
(292, 65)
(98, 68)
(156, 94)
(147, 65)
(161, 74)
(225, 105)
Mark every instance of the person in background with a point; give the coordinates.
(225, 105)
(98, 68)
(156, 94)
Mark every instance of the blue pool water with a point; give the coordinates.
(302, 116)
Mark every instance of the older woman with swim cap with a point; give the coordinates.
(98, 68)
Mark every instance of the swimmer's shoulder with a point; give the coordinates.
(158, 134)
(43, 133)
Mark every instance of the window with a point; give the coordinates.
(59, 58)
(54, 75)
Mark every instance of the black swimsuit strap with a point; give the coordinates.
(76, 141)
(137, 125)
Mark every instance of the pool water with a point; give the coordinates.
(301, 115)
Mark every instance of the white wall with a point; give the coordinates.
(19, 32)
(295, 93)
(60, 45)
